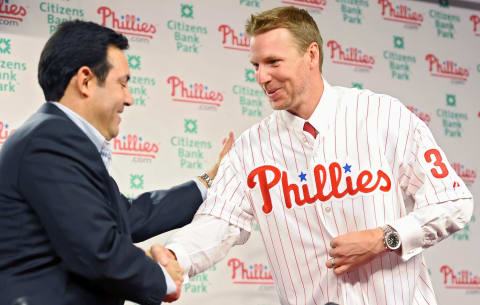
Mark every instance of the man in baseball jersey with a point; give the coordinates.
(325, 177)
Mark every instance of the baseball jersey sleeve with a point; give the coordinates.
(222, 221)
(228, 198)
(441, 205)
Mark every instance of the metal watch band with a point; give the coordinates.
(206, 178)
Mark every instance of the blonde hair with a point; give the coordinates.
(298, 21)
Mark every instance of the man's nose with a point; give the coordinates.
(262, 75)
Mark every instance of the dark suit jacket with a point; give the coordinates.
(66, 232)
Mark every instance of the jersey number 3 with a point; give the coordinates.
(437, 161)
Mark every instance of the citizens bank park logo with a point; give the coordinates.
(135, 146)
(250, 99)
(463, 279)
(11, 14)
(195, 93)
(400, 13)
(350, 56)
(446, 69)
(128, 24)
(475, 19)
(444, 23)
(452, 120)
(399, 63)
(250, 274)
(186, 35)
(233, 41)
(352, 10)
(57, 13)
(5, 132)
(136, 185)
(138, 84)
(9, 69)
(190, 150)
(425, 117)
(136, 181)
(315, 4)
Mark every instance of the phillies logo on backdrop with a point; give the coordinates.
(400, 13)
(475, 19)
(332, 183)
(5, 132)
(12, 11)
(134, 146)
(232, 40)
(446, 68)
(425, 117)
(128, 24)
(258, 274)
(317, 4)
(196, 93)
(463, 279)
(466, 174)
(350, 56)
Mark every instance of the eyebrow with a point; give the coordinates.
(267, 59)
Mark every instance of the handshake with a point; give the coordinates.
(168, 260)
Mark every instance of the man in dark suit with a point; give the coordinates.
(66, 231)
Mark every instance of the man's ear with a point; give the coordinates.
(85, 81)
(313, 54)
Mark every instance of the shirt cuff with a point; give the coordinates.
(182, 259)
(411, 235)
(201, 187)
(171, 287)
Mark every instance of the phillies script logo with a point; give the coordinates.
(476, 24)
(351, 56)
(446, 69)
(195, 93)
(468, 175)
(135, 146)
(4, 132)
(126, 24)
(364, 184)
(230, 40)
(254, 274)
(425, 117)
(459, 280)
(318, 4)
(400, 13)
(12, 11)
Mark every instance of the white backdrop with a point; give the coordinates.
(192, 83)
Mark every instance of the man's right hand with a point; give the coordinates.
(166, 258)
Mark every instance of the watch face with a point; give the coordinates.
(393, 241)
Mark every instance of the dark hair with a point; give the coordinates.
(73, 45)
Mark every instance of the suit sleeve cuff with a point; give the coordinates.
(411, 235)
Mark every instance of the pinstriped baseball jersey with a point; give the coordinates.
(304, 191)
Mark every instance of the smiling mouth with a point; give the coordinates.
(272, 92)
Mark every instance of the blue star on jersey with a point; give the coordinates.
(302, 176)
(347, 168)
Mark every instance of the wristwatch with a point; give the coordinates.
(391, 238)
(206, 178)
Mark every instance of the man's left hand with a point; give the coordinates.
(354, 249)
